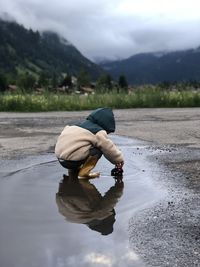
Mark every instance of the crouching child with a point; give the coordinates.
(80, 146)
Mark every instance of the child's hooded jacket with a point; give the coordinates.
(75, 141)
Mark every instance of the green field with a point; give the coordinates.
(146, 98)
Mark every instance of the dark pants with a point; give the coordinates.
(75, 164)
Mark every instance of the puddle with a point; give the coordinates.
(48, 221)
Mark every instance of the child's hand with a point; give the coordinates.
(119, 165)
(117, 171)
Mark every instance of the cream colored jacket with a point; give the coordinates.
(74, 144)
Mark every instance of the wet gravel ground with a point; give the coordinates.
(167, 233)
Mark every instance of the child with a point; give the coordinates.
(81, 146)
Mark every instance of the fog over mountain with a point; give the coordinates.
(23, 51)
(153, 68)
(113, 29)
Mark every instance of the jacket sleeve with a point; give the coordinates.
(108, 148)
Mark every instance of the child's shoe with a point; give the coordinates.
(91, 175)
(84, 172)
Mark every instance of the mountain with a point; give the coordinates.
(157, 67)
(25, 50)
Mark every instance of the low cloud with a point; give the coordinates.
(114, 29)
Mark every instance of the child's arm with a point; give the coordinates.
(108, 148)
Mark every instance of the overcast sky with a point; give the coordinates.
(113, 28)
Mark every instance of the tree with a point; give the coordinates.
(67, 82)
(83, 78)
(164, 85)
(43, 80)
(3, 82)
(26, 81)
(104, 82)
(54, 81)
(122, 82)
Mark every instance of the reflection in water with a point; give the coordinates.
(79, 201)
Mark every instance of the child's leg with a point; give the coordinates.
(72, 167)
(71, 164)
(90, 163)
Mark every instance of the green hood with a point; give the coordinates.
(100, 119)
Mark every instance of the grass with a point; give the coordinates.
(145, 98)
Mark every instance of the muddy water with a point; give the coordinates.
(48, 220)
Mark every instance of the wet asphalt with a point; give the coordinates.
(48, 219)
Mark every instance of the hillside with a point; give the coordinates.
(156, 67)
(26, 50)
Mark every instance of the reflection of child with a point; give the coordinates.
(81, 202)
(80, 146)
